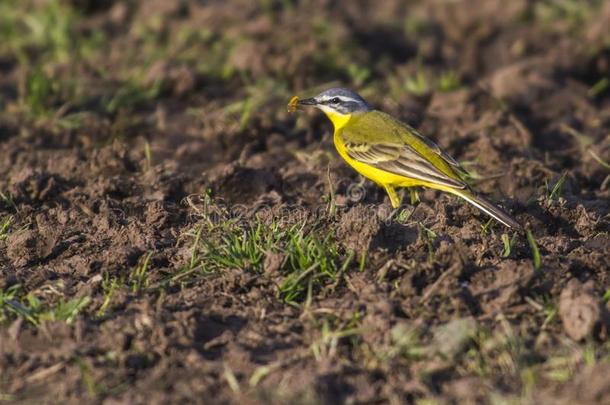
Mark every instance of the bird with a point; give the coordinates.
(391, 153)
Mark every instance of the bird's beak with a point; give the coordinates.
(307, 101)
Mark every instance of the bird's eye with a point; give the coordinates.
(335, 100)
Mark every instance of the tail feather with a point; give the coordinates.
(488, 208)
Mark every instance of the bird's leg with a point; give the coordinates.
(414, 195)
(394, 199)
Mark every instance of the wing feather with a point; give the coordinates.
(435, 148)
(399, 149)
(402, 160)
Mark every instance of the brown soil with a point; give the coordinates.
(439, 313)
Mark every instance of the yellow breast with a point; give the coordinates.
(378, 176)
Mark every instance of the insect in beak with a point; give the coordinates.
(295, 102)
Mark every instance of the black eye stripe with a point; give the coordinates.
(334, 100)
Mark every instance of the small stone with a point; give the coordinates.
(453, 337)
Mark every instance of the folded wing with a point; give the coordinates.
(402, 160)
(378, 139)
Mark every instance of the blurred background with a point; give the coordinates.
(204, 82)
(100, 69)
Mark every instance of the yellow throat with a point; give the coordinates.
(338, 120)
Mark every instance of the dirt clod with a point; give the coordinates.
(581, 311)
(452, 338)
(358, 228)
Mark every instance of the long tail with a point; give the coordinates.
(487, 207)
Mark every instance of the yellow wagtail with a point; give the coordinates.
(391, 153)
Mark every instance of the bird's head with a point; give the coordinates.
(338, 104)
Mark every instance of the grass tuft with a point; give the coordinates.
(307, 259)
(535, 252)
(138, 278)
(13, 304)
(555, 192)
(332, 332)
(5, 225)
(110, 285)
(38, 92)
(508, 244)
